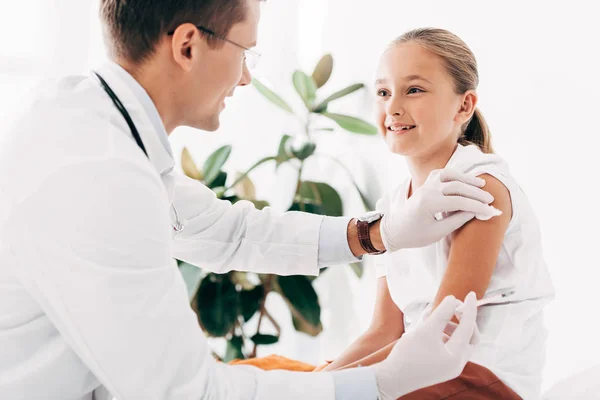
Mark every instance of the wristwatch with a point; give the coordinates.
(363, 225)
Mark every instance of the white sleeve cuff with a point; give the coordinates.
(355, 384)
(333, 242)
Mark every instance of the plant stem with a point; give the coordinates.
(307, 126)
(243, 176)
(275, 324)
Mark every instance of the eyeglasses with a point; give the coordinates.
(250, 56)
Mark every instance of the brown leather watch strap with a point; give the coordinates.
(364, 237)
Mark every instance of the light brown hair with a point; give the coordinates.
(462, 66)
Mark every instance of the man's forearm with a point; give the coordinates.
(354, 243)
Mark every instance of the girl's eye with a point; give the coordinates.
(382, 93)
(414, 90)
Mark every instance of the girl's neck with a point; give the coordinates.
(421, 166)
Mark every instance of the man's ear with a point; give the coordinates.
(467, 107)
(187, 43)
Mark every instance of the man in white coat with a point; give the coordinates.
(92, 216)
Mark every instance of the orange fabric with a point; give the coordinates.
(275, 362)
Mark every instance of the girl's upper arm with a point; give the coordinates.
(387, 317)
(475, 247)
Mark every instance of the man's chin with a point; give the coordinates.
(209, 124)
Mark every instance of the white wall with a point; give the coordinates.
(540, 90)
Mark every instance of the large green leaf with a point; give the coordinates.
(302, 326)
(338, 95)
(306, 88)
(219, 182)
(323, 70)
(251, 300)
(352, 124)
(271, 96)
(261, 339)
(217, 304)
(214, 163)
(324, 196)
(192, 276)
(299, 294)
(235, 349)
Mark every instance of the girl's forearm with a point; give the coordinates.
(367, 345)
(372, 358)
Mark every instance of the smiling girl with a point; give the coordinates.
(427, 112)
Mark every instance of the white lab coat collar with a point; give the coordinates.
(144, 114)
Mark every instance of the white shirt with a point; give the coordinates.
(91, 300)
(512, 335)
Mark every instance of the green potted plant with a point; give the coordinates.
(225, 303)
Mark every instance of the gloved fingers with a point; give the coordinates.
(448, 331)
(458, 203)
(456, 188)
(463, 334)
(454, 221)
(450, 328)
(476, 335)
(449, 174)
(442, 315)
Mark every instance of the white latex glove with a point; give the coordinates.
(449, 192)
(425, 356)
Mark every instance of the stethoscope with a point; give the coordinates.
(177, 226)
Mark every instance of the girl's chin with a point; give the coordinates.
(402, 149)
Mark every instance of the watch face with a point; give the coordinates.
(371, 217)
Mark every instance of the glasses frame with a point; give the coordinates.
(253, 54)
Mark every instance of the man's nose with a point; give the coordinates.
(246, 76)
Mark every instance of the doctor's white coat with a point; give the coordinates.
(91, 299)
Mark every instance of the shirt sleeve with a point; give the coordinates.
(221, 237)
(334, 248)
(93, 245)
(355, 384)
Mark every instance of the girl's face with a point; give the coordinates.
(418, 111)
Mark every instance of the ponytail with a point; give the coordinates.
(477, 133)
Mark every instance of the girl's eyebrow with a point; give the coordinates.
(416, 78)
(408, 78)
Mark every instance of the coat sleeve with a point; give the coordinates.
(221, 237)
(93, 247)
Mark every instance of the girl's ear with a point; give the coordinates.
(467, 107)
